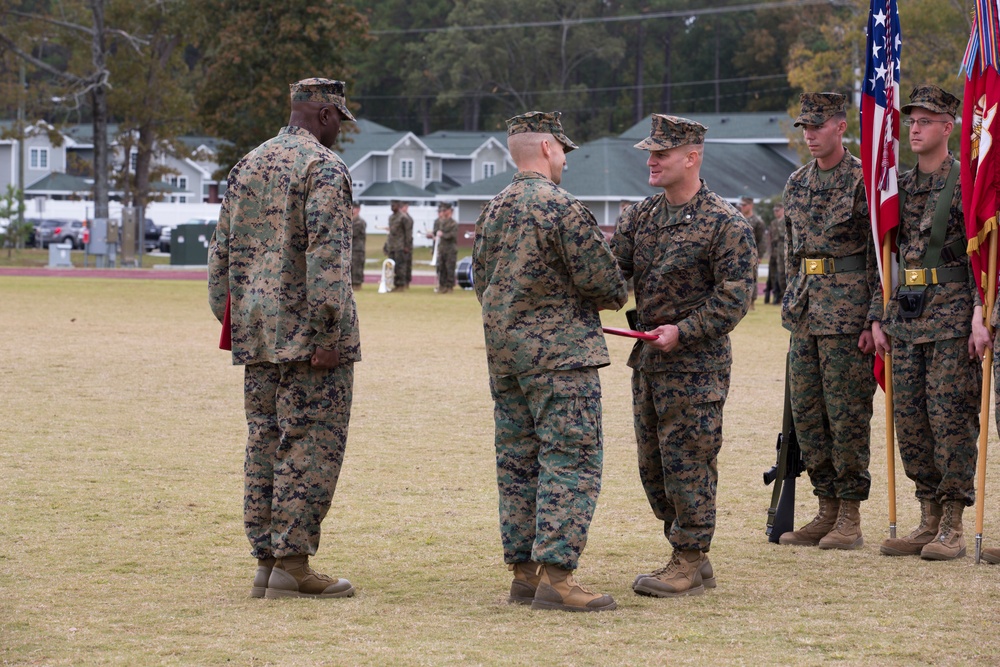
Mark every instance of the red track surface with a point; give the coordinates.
(157, 274)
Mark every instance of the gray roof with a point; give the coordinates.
(58, 182)
(370, 138)
(455, 142)
(763, 127)
(193, 142)
(611, 169)
(393, 190)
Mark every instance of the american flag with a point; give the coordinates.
(880, 119)
(880, 131)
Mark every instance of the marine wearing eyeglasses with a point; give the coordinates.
(933, 327)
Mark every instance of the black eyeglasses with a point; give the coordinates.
(922, 122)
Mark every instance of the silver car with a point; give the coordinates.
(59, 230)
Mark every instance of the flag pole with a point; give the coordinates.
(890, 424)
(984, 410)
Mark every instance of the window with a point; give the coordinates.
(133, 161)
(428, 171)
(406, 169)
(39, 158)
(489, 169)
(182, 183)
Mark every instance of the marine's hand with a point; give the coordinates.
(667, 337)
(979, 339)
(865, 342)
(326, 359)
(882, 344)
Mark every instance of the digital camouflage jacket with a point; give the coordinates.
(694, 270)
(282, 248)
(542, 270)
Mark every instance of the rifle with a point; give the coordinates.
(781, 513)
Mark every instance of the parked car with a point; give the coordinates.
(151, 238)
(59, 230)
(165, 231)
(164, 240)
(29, 239)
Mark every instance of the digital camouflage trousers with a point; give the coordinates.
(678, 431)
(297, 418)
(832, 383)
(446, 268)
(550, 453)
(936, 390)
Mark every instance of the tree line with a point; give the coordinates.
(160, 69)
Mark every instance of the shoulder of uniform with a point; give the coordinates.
(801, 173)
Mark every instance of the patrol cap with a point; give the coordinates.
(444, 206)
(672, 131)
(542, 123)
(746, 199)
(932, 98)
(325, 91)
(818, 107)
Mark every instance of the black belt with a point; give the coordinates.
(923, 277)
(827, 266)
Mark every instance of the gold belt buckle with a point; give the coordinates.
(815, 267)
(916, 277)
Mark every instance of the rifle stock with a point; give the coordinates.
(781, 513)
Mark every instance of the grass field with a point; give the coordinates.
(121, 539)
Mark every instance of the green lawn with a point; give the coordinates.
(121, 539)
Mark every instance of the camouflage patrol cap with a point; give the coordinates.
(746, 199)
(325, 91)
(672, 131)
(444, 206)
(818, 107)
(932, 98)
(542, 123)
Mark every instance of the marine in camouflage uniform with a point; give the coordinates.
(694, 262)
(542, 271)
(399, 245)
(759, 236)
(832, 273)
(776, 263)
(445, 235)
(359, 230)
(936, 375)
(280, 259)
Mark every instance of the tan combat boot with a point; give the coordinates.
(264, 566)
(706, 572)
(681, 576)
(991, 555)
(930, 519)
(846, 533)
(293, 578)
(526, 578)
(557, 590)
(949, 543)
(810, 534)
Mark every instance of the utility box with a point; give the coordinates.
(103, 243)
(59, 255)
(189, 244)
(129, 235)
